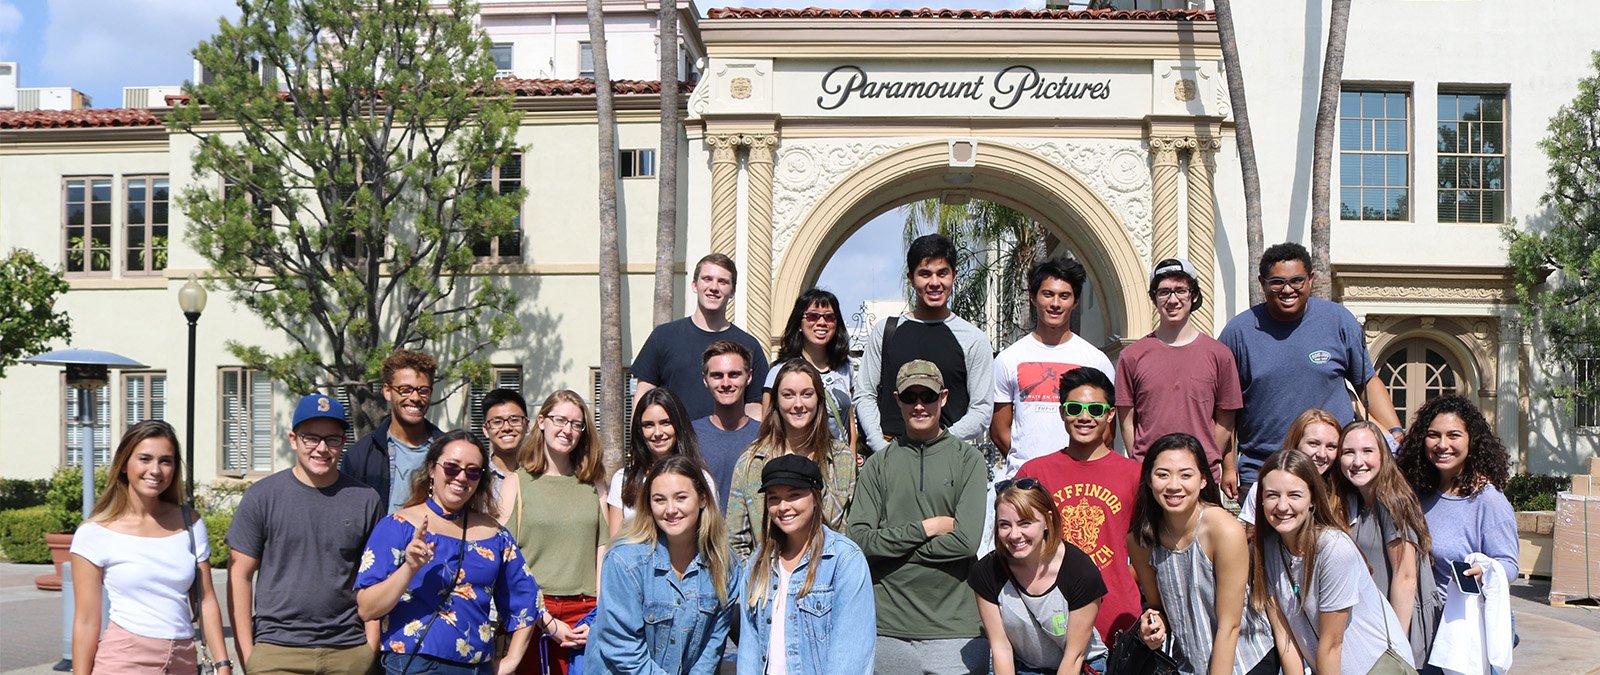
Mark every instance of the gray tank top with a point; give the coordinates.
(1188, 585)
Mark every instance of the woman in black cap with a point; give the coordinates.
(807, 605)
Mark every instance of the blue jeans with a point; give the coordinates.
(422, 664)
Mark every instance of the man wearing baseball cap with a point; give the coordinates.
(302, 530)
(918, 517)
(1180, 379)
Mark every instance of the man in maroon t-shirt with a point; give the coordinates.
(1093, 489)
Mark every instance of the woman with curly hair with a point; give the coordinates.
(1458, 468)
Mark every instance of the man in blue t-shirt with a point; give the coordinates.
(1296, 352)
(728, 430)
(671, 355)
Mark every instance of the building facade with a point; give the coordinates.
(1113, 129)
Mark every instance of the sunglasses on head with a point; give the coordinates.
(918, 395)
(1020, 484)
(452, 469)
(1095, 410)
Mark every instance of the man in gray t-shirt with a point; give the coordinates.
(297, 538)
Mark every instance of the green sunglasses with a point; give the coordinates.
(1095, 410)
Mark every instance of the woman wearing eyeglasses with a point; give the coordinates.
(1193, 563)
(794, 425)
(1037, 596)
(560, 523)
(815, 332)
(431, 570)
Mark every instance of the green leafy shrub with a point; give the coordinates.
(65, 494)
(22, 532)
(217, 532)
(21, 493)
(1533, 492)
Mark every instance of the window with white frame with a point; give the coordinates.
(144, 397)
(245, 408)
(639, 163)
(503, 180)
(1374, 155)
(585, 61)
(73, 431)
(501, 53)
(146, 226)
(86, 216)
(500, 377)
(1472, 157)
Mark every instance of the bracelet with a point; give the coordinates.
(225, 663)
(1397, 430)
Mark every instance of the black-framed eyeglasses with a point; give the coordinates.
(1020, 484)
(1095, 410)
(918, 395)
(311, 441)
(452, 469)
(1296, 282)
(1164, 293)
(559, 421)
(407, 390)
(494, 423)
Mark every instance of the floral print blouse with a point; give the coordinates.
(455, 587)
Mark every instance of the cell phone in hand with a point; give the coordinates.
(1458, 570)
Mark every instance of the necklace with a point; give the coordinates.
(439, 510)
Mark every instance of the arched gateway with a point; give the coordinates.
(809, 123)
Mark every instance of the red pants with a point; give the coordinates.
(569, 609)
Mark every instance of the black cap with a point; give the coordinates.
(791, 470)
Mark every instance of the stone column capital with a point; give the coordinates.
(761, 146)
(724, 147)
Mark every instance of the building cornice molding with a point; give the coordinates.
(1423, 284)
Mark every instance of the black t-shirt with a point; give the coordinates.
(1078, 581)
(934, 342)
(671, 355)
(1037, 625)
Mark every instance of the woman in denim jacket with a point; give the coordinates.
(668, 583)
(807, 606)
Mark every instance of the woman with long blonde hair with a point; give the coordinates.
(788, 629)
(142, 548)
(1314, 432)
(796, 423)
(669, 582)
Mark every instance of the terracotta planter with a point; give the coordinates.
(60, 548)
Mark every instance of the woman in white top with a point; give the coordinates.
(1310, 579)
(1314, 432)
(661, 427)
(136, 549)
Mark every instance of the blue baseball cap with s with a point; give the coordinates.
(313, 406)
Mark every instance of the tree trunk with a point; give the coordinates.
(1322, 152)
(611, 377)
(667, 166)
(1245, 141)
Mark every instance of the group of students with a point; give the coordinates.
(831, 521)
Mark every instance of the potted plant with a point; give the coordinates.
(65, 502)
(1534, 499)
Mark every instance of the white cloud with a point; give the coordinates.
(100, 47)
(10, 25)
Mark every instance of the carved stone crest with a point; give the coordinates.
(1185, 90)
(740, 88)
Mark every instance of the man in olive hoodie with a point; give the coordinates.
(918, 517)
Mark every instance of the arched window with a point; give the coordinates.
(1417, 371)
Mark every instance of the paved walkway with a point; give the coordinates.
(1555, 640)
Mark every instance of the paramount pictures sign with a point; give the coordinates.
(983, 89)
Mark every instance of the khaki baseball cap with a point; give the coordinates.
(918, 373)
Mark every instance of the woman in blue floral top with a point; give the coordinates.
(431, 569)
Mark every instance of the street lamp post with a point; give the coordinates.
(192, 300)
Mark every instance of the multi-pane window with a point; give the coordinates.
(260, 213)
(500, 377)
(144, 397)
(245, 409)
(1588, 406)
(585, 61)
(146, 226)
(627, 404)
(501, 53)
(1472, 158)
(1416, 372)
(1374, 155)
(636, 163)
(74, 430)
(503, 180)
(88, 224)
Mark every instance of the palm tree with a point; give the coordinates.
(1322, 151)
(611, 376)
(998, 246)
(667, 164)
(1243, 139)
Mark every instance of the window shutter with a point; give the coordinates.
(631, 385)
(102, 427)
(260, 421)
(158, 396)
(233, 455)
(133, 399)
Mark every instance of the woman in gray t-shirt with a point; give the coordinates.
(1312, 581)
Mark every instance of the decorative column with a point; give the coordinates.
(724, 192)
(1164, 207)
(1203, 226)
(757, 288)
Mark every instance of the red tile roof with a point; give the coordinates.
(928, 13)
(93, 117)
(584, 87)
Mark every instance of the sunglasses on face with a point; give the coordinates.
(918, 395)
(1020, 484)
(452, 469)
(1095, 410)
(821, 317)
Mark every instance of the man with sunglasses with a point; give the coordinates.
(1296, 352)
(918, 517)
(295, 541)
(1093, 488)
(386, 458)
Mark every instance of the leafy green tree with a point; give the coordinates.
(352, 139)
(28, 318)
(1557, 270)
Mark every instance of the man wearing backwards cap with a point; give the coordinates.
(302, 530)
(918, 516)
(1180, 379)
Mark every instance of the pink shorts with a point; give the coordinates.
(124, 652)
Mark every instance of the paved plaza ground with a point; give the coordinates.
(1555, 640)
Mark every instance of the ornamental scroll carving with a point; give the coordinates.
(805, 170)
(1426, 292)
(1117, 171)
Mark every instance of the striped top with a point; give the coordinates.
(1188, 584)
